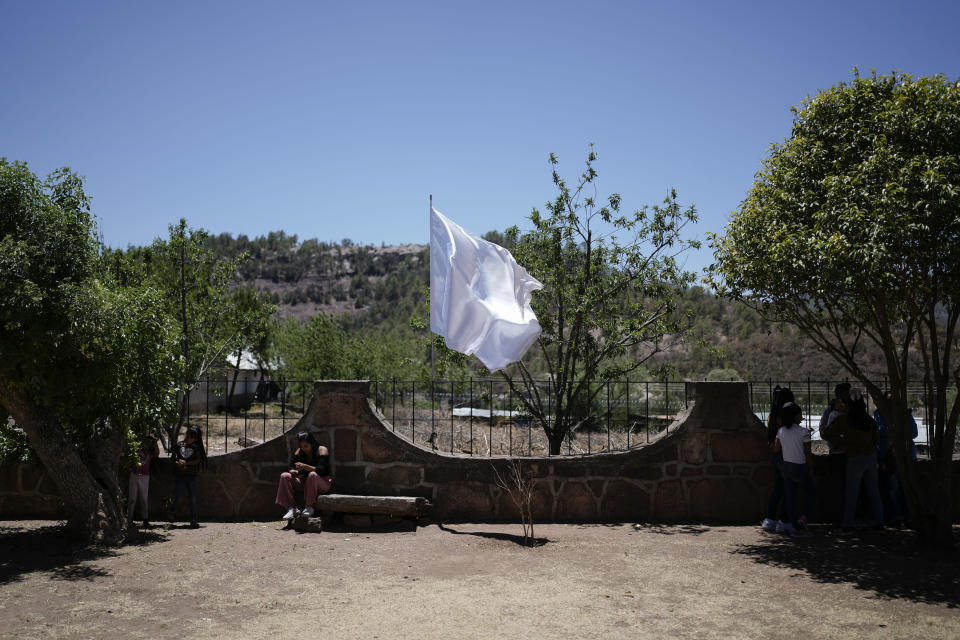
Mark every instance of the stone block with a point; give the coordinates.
(687, 472)
(275, 450)
(718, 470)
(670, 470)
(345, 445)
(597, 485)
(336, 410)
(663, 451)
(213, 502)
(235, 478)
(394, 477)
(763, 476)
(463, 501)
(323, 438)
(575, 502)
(271, 472)
(259, 502)
(541, 504)
(10, 478)
(693, 448)
(380, 446)
(726, 500)
(642, 472)
(625, 502)
(350, 478)
(670, 502)
(742, 471)
(569, 469)
(743, 446)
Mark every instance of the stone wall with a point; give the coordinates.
(711, 466)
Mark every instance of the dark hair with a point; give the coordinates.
(841, 390)
(790, 414)
(781, 396)
(306, 436)
(197, 433)
(858, 417)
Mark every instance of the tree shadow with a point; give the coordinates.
(887, 563)
(26, 550)
(492, 535)
(672, 529)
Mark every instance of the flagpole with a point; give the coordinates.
(433, 366)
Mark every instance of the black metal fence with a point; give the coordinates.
(483, 417)
(235, 414)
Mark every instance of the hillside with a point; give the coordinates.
(378, 289)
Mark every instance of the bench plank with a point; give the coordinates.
(392, 505)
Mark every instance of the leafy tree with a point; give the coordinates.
(611, 288)
(251, 320)
(851, 232)
(197, 289)
(86, 365)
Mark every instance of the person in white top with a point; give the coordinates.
(794, 442)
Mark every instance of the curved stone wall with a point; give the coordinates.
(711, 466)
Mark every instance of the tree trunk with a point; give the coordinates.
(89, 489)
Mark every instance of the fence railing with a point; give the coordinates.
(237, 414)
(483, 416)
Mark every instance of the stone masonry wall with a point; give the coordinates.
(711, 466)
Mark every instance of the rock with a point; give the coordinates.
(245, 442)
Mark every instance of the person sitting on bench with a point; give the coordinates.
(309, 472)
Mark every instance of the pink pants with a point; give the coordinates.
(288, 484)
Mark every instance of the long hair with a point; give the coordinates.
(781, 396)
(197, 433)
(306, 436)
(857, 415)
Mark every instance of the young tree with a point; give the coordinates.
(851, 232)
(85, 364)
(197, 290)
(611, 288)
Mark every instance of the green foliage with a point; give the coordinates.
(851, 232)
(75, 342)
(612, 286)
(723, 375)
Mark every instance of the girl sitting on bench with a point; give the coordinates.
(309, 472)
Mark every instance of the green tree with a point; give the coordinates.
(197, 288)
(612, 284)
(851, 232)
(86, 365)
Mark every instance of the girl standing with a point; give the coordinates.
(189, 457)
(140, 479)
(794, 442)
(781, 396)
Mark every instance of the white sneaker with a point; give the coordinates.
(308, 512)
(781, 527)
(768, 524)
(290, 515)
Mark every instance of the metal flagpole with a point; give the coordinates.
(433, 366)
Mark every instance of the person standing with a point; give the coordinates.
(793, 441)
(856, 433)
(140, 479)
(189, 457)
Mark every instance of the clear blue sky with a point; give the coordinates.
(336, 120)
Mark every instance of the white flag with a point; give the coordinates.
(479, 296)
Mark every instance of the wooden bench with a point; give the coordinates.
(365, 511)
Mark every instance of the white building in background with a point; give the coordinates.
(245, 382)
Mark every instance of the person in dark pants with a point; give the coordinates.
(832, 503)
(189, 457)
(775, 505)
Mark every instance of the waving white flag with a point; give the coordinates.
(479, 295)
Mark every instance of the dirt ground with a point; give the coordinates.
(256, 580)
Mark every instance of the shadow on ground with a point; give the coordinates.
(491, 535)
(672, 529)
(887, 563)
(51, 549)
